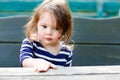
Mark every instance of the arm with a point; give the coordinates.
(27, 58)
(39, 65)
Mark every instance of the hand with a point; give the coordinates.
(43, 65)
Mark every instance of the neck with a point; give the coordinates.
(54, 49)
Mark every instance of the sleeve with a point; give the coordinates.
(26, 50)
(69, 60)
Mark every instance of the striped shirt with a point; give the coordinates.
(36, 50)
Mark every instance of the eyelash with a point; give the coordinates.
(46, 27)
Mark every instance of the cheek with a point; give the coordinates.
(58, 36)
(40, 34)
(40, 31)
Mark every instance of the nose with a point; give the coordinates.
(49, 31)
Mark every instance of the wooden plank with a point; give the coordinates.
(62, 71)
(76, 73)
(89, 55)
(76, 77)
(83, 55)
(92, 30)
(11, 28)
(88, 30)
(9, 55)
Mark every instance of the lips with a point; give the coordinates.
(48, 39)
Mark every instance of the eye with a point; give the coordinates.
(44, 26)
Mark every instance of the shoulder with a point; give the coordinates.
(26, 41)
(66, 50)
(26, 44)
(66, 46)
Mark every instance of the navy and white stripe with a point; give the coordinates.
(36, 50)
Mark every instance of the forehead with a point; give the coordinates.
(47, 18)
(46, 14)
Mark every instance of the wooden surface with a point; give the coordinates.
(97, 41)
(71, 73)
(11, 36)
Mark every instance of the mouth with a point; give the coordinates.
(48, 39)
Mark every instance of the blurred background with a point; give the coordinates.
(82, 8)
(97, 41)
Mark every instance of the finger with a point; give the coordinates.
(53, 66)
(43, 68)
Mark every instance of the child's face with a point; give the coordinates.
(48, 31)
